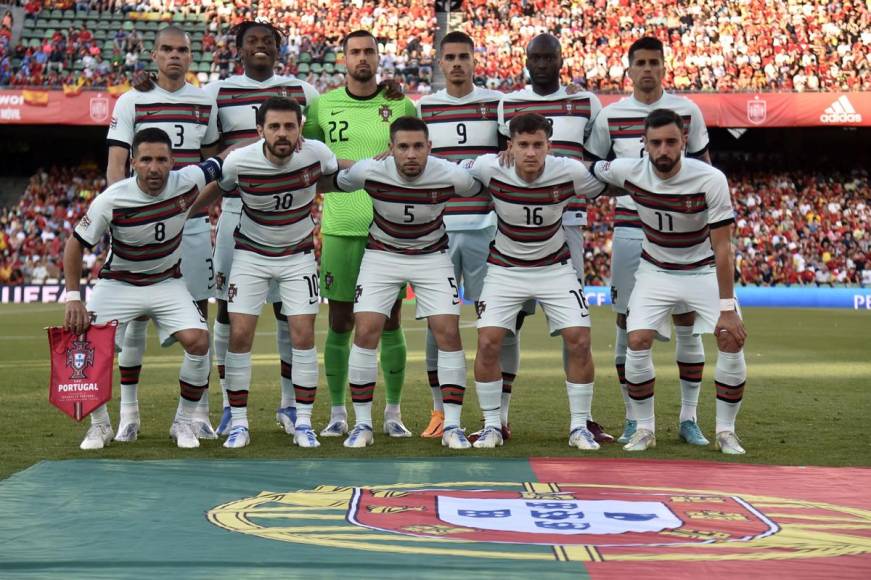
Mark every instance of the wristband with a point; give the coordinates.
(727, 304)
(73, 296)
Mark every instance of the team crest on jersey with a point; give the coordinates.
(283, 91)
(480, 307)
(328, 280)
(483, 108)
(358, 291)
(80, 356)
(385, 112)
(231, 292)
(555, 194)
(306, 176)
(182, 204)
(85, 222)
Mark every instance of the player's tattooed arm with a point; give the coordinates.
(392, 89)
(76, 317)
(208, 195)
(729, 321)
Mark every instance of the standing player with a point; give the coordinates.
(462, 121)
(145, 216)
(685, 210)
(529, 260)
(407, 243)
(274, 245)
(187, 114)
(238, 98)
(570, 116)
(618, 131)
(354, 122)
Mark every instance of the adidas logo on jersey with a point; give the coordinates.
(841, 111)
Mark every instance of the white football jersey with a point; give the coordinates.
(188, 116)
(676, 214)
(276, 199)
(530, 215)
(570, 117)
(619, 129)
(408, 214)
(146, 230)
(463, 128)
(238, 97)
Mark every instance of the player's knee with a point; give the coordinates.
(727, 343)
(578, 344)
(489, 346)
(240, 339)
(198, 343)
(639, 341)
(341, 317)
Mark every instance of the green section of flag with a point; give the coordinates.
(126, 519)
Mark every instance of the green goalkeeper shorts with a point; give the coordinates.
(340, 265)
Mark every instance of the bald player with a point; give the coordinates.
(570, 116)
(188, 115)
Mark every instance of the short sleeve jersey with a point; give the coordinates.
(188, 115)
(678, 213)
(353, 128)
(238, 98)
(408, 212)
(618, 132)
(570, 116)
(276, 199)
(463, 128)
(530, 214)
(146, 230)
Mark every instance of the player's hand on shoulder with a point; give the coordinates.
(506, 158)
(730, 325)
(144, 81)
(392, 89)
(76, 317)
(573, 89)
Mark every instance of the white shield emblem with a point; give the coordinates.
(757, 111)
(99, 109)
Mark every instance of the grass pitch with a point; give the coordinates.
(807, 398)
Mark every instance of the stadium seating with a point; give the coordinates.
(735, 45)
(793, 227)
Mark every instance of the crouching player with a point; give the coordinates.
(407, 243)
(530, 260)
(277, 180)
(145, 217)
(687, 261)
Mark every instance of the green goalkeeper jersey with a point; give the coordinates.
(353, 128)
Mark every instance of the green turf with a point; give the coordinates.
(805, 404)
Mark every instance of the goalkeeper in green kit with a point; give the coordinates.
(354, 122)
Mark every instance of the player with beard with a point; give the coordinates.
(188, 115)
(238, 98)
(274, 245)
(407, 242)
(687, 258)
(354, 122)
(618, 131)
(462, 125)
(570, 114)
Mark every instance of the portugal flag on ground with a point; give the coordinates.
(472, 516)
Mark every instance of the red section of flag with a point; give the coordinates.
(81, 368)
(820, 518)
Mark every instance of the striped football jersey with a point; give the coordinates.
(618, 131)
(146, 230)
(676, 214)
(408, 213)
(238, 97)
(530, 214)
(463, 128)
(276, 199)
(570, 116)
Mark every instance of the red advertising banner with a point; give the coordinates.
(36, 107)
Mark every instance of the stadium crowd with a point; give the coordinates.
(734, 45)
(793, 227)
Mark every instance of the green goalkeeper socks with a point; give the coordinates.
(336, 352)
(393, 363)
